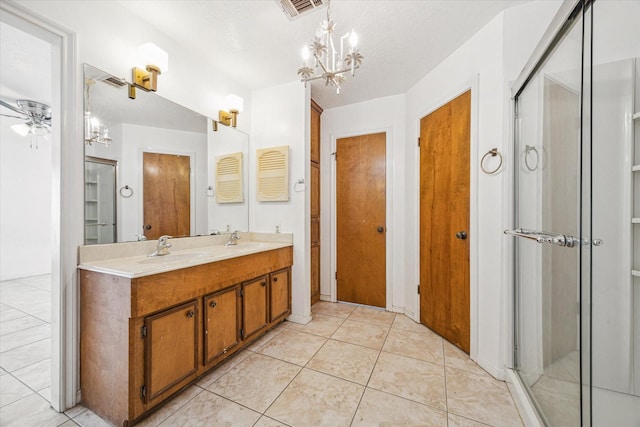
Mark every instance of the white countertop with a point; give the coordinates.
(142, 265)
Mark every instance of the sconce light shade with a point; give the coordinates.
(151, 54)
(156, 62)
(235, 105)
(234, 102)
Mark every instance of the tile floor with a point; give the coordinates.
(25, 343)
(350, 366)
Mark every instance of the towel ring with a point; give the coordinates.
(493, 152)
(527, 150)
(126, 191)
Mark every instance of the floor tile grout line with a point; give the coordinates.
(24, 345)
(180, 407)
(22, 330)
(30, 388)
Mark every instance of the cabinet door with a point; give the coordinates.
(279, 300)
(171, 348)
(254, 306)
(221, 322)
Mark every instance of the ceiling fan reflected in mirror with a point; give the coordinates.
(36, 116)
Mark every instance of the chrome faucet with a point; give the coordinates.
(163, 246)
(233, 238)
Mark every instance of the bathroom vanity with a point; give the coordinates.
(151, 326)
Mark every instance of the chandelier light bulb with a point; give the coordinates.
(353, 39)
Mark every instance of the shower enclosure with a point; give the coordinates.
(577, 219)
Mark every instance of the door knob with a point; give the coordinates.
(147, 227)
(462, 235)
(380, 229)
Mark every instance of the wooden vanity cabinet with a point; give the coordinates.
(144, 339)
(222, 320)
(171, 349)
(279, 295)
(254, 306)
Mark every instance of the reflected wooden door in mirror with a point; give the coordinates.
(167, 201)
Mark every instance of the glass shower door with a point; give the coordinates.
(99, 201)
(552, 263)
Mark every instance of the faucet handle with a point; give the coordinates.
(162, 240)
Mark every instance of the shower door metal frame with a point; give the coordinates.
(562, 23)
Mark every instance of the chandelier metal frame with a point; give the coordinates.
(330, 62)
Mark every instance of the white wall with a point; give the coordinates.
(138, 139)
(378, 115)
(281, 117)
(25, 208)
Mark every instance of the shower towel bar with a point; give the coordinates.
(528, 149)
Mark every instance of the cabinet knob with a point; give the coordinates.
(275, 279)
(462, 235)
(190, 313)
(264, 283)
(213, 304)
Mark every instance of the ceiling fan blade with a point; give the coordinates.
(12, 107)
(14, 117)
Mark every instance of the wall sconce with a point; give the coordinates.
(157, 62)
(230, 118)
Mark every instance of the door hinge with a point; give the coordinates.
(336, 275)
(418, 141)
(335, 155)
(143, 332)
(143, 393)
(242, 332)
(241, 292)
(418, 288)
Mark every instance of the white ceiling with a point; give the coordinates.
(253, 42)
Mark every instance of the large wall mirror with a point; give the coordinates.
(153, 167)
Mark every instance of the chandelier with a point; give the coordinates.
(329, 58)
(94, 131)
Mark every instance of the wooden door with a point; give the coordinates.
(254, 306)
(316, 111)
(222, 322)
(444, 220)
(167, 195)
(361, 219)
(279, 295)
(171, 348)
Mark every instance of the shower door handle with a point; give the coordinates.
(555, 239)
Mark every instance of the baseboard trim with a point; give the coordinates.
(493, 370)
(525, 407)
(303, 320)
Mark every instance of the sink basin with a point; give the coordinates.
(171, 258)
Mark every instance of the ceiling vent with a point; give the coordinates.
(294, 8)
(114, 81)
